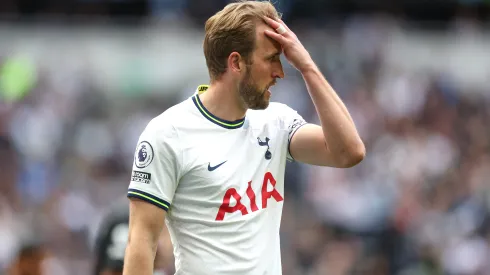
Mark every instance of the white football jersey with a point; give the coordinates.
(221, 183)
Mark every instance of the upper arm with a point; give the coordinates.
(306, 142)
(156, 166)
(307, 145)
(154, 179)
(146, 222)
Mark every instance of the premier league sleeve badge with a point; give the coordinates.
(144, 154)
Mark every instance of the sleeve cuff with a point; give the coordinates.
(290, 139)
(133, 193)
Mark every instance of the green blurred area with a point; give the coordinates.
(18, 75)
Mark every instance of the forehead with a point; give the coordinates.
(265, 44)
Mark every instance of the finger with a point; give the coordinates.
(277, 37)
(276, 25)
(271, 22)
(284, 24)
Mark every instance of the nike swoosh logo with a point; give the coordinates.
(212, 168)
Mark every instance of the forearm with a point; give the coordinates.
(139, 258)
(341, 136)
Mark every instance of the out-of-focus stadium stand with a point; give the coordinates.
(80, 79)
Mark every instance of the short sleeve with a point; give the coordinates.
(293, 121)
(156, 166)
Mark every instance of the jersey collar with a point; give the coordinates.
(209, 116)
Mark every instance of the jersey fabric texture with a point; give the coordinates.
(221, 183)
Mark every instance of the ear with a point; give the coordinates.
(235, 62)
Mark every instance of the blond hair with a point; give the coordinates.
(233, 30)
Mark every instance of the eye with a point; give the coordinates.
(274, 58)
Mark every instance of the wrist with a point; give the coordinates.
(308, 67)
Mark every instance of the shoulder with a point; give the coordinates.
(280, 109)
(165, 124)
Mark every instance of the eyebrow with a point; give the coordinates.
(274, 54)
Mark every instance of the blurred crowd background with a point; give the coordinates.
(80, 79)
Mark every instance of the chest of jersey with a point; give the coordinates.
(230, 174)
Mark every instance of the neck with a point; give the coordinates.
(222, 100)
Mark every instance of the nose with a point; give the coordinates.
(277, 71)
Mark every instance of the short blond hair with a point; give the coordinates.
(233, 30)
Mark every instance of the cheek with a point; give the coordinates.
(263, 74)
(262, 69)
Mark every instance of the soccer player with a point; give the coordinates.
(213, 166)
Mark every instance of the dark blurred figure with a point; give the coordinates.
(9, 168)
(111, 240)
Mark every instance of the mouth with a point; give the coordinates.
(270, 85)
(267, 92)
